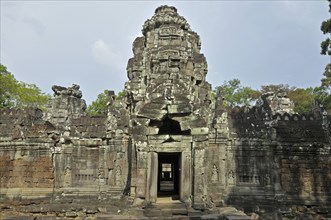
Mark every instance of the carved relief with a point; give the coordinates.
(214, 176)
(67, 91)
(141, 146)
(118, 175)
(169, 31)
(67, 177)
(110, 173)
(267, 180)
(230, 178)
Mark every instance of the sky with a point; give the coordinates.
(89, 42)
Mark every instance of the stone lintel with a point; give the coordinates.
(200, 131)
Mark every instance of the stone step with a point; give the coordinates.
(18, 218)
(193, 212)
(152, 212)
(236, 217)
(166, 205)
(178, 211)
(45, 218)
(120, 217)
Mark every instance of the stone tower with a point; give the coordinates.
(169, 102)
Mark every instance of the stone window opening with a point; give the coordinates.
(169, 126)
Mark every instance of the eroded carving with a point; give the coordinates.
(68, 91)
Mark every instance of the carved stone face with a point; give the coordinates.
(279, 102)
(167, 65)
(167, 78)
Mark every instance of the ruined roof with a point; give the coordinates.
(165, 15)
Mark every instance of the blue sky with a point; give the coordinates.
(90, 42)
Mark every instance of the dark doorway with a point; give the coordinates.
(168, 175)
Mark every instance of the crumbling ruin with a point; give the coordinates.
(168, 129)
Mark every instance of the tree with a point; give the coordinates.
(326, 29)
(120, 94)
(15, 94)
(326, 81)
(323, 96)
(303, 99)
(8, 88)
(323, 93)
(235, 94)
(280, 88)
(100, 105)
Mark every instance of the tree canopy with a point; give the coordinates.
(16, 94)
(235, 94)
(277, 88)
(303, 99)
(326, 29)
(100, 105)
(323, 93)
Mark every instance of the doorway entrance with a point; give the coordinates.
(168, 183)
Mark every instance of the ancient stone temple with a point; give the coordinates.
(169, 104)
(168, 137)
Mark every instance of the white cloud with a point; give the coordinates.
(103, 54)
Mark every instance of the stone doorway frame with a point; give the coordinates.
(186, 181)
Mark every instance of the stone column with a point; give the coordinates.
(67, 178)
(152, 176)
(101, 167)
(231, 167)
(58, 164)
(199, 179)
(141, 174)
(223, 165)
(186, 176)
(276, 175)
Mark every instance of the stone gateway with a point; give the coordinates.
(167, 137)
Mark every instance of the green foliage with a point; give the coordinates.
(213, 95)
(325, 45)
(323, 96)
(99, 106)
(326, 81)
(15, 94)
(280, 88)
(120, 95)
(326, 26)
(8, 89)
(323, 92)
(31, 95)
(235, 94)
(303, 99)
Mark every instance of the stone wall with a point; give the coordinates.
(26, 166)
(62, 154)
(269, 158)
